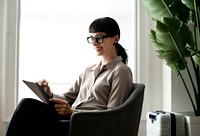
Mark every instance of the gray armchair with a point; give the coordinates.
(121, 121)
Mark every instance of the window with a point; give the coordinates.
(52, 40)
(146, 67)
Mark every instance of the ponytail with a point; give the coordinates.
(121, 52)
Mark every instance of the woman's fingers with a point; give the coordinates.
(62, 107)
(44, 84)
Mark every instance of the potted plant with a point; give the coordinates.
(176, 39)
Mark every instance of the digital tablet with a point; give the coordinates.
(38, 90)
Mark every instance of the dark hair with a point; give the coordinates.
(110, 27)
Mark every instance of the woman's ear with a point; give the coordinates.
(116, 39)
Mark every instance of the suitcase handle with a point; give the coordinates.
(154, 114)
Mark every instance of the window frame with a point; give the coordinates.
(10, 58)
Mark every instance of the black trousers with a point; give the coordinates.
(35, 118)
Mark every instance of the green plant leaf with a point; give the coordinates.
(189, 3)
(171, 37)
(197, 58)
(158, 9)
(195, 55)
(174, 41)
(193, 9)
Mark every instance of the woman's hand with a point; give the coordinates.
(44, 84)
(62, 107)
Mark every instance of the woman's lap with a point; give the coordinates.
(33, 117)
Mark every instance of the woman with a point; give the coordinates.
(102, 86)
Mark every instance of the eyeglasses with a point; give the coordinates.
(98, 39)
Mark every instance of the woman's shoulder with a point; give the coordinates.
(122, 69)
(121, 65)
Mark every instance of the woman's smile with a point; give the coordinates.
(98, 48)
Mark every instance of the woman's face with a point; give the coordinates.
(103, 44)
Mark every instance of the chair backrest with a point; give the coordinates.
(131, 110)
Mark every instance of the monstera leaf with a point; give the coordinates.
(171, 38)
(158, 9)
